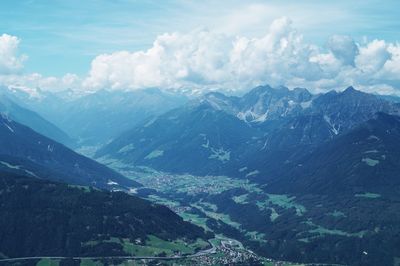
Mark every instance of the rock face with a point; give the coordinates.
(265, 103)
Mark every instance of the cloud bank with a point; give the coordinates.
(204, 59)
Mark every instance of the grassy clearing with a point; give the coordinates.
(368, 195)
(321, 231)
(240, 199)
(370, 162)
(163, 201)
(195, 219)
(256, 236)
(83, 188)
(48, 262)
(96, 242)
(283, 201)
(208, 206)
(89, 262)
(155, 246)
(324, 231)
(336, 213)
(219, 216)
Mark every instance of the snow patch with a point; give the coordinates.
(250, 116)
(373, 137)
(306, 105)
(371, 151)
(111, 183)
(261, 118)
(333, 127)
(253, 173)
(127, 148)
(150, 122)
(10, 165)
(18, 167)
(50, 148)
(220, 154)
(133, 190)
(207, 145)
(9, 128)
(243, 169)
(265, 145)
(31, 173)
(154, 154)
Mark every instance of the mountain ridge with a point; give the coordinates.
(294, 119)
(20, 143)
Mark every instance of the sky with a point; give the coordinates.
(233, 45)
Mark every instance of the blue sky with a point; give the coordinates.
(200, 45)
(64, 36)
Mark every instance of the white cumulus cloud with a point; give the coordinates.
(343, 48)
(11, 66)
(203, 59)
(10, 61)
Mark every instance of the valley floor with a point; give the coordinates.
(194, 199)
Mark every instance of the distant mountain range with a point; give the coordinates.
(33, 120)
(97, 118)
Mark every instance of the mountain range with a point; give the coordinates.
(364, 159)
(328, 164)
(244, 136)
(56, 202)
(96, 118)
(325, 165)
